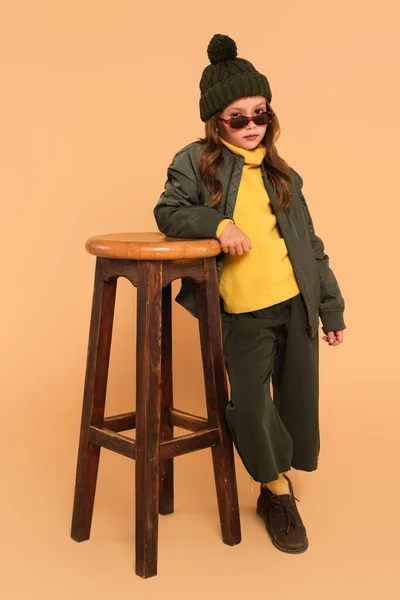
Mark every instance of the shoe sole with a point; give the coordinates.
(298, 551)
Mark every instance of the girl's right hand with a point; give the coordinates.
(234, 240)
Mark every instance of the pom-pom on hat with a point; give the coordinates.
(228, 78)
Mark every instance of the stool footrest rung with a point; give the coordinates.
(185, 420)
(112, 441)
(189, 443)
(177, 418)
(121, 422)
(183, 444)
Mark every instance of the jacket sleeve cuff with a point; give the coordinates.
(208, 224)
(221, 226)
(332, 320)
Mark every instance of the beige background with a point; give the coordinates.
(96, 97)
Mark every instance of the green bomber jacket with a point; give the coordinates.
(181, 212)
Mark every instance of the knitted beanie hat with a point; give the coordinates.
(228, 78)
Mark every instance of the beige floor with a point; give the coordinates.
(353, 528)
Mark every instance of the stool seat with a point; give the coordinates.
(150, 246)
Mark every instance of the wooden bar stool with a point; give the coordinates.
(151, 261)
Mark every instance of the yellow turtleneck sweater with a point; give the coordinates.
(263, 275)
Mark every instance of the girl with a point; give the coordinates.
(274, 279)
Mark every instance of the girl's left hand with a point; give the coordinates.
(334, 338)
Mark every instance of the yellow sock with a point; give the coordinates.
(278, 486)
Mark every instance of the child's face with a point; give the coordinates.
(248, 106)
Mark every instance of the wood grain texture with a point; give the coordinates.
(148, 415)
(155, 447)
(97, 362)
(150, 246)
(215, 381)
(166, 505)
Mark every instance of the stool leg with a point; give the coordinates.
(167, 431)
(209, 313)
(148, 412)
(98, 356)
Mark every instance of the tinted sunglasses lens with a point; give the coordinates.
(264, 118)
(238, 122)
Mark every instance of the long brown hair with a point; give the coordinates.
(211, 160)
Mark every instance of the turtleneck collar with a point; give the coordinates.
(253, 157)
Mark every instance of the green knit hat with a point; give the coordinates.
(228, 78)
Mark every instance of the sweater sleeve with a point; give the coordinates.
(221, 226)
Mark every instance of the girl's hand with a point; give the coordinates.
(334, 338)
(234, 240)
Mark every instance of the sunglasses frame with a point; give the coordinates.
(268, 111)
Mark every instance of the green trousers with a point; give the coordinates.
(272, 432)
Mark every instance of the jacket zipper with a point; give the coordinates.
(300, 284)
(292, 225)
(299, 279)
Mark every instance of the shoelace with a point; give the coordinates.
(288, 508)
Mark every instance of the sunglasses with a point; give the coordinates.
(242, 121)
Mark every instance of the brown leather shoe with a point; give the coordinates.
(282, 519)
